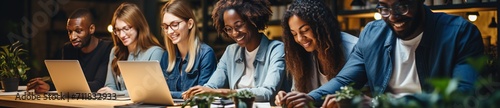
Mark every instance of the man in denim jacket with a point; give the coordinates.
(399, 53)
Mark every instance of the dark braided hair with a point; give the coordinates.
(257, 12)
(326, 31)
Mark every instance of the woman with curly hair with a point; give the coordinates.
(316, 48)
(133, 42)
(254, 63)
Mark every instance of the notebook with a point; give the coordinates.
(145, 82)
(67, 76)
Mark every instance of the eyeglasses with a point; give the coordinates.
(397, 9)
(125, 29)
(173, 25)
(237, 27)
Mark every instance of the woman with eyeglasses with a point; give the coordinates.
(254, 62)
(316, 48)
(188, 62)
(133, 42)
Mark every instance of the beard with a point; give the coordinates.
(415, 22)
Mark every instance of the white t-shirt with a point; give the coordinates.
(317, 74)
(404, 80)
(247, 80)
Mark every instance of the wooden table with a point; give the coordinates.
(10, 101)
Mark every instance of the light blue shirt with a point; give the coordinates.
(153, 53)
(269, 69)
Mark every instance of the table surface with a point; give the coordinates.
(9, 99)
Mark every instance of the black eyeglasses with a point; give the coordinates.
(237, 27)
(125, 29)
(397, 9)
(173, 25)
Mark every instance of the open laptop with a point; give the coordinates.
(67, 76)
(145, 82)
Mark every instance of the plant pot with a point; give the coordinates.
(345, 103)
(243, 102)
(202, 103)
(10, 84)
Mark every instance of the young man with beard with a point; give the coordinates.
(399, 53)
(91, 52)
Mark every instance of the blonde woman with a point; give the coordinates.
(188, 62)
(133, 42)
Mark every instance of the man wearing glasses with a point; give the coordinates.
(398, 54)
(90, 51)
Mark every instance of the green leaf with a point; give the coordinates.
(11, 65)
(478, 63)
(440, 84)
(452, 86)
(242, 94)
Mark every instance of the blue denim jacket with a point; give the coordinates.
(203, 68)
(446, 44)
(269, 69)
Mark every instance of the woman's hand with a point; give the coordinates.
(296, 100)
(278, 97)
(196, 90)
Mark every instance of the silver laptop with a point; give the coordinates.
(145, 82)
(67, 76)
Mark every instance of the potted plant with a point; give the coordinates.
(12, 67)
(345, 96)
(201, 100)
(243, 99)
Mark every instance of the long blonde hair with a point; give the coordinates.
(181, 9)
(132, 15)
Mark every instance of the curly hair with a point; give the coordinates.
(257, 12)
(329, 52)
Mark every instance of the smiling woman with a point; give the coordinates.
(316, 48)
(254, 63)
(133, 42)
(188, 61)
